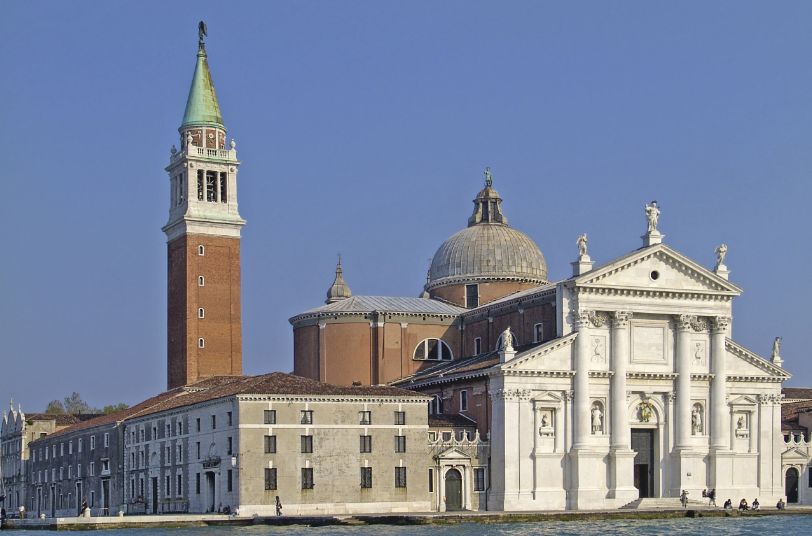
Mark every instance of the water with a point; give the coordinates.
(715, 526)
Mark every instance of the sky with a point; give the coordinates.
(363, 128)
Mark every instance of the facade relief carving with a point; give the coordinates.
(645, 411)
(597, 346)
(700, 353)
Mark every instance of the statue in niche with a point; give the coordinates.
(582, 245)
(776, 348)
(545, 421)
(597, 419)
(721, 253)
(740, 424)
(653, 216)
(696, 420)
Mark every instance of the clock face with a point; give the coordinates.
(211, 135)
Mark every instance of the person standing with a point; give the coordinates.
(278, 506)
(712, 497)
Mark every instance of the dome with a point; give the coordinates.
(488, 251)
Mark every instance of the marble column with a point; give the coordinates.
(621, 436)
(582, 420)
(683, 423)
(719, 412)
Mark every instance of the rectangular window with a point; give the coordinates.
(306, 417)
(538, 332)
(471, 296)
(400, 443)
(168, 430)
(141, 486)
(197, 483)
(400, 418)
(230, 480)
(79, 470)
(70, 447)
(168, 490)
(179, 454)
(270, 478)
(179, 488)
(61, 449)
(307, 478)
(91, 469)
(223, 188)
(92, 442)
(229, 419)
(366, 443)
(167, 454)
(230, 446)
(479, 479)
(400, 477)
(214, 422)
(200, 185)
(270, 444)
(198, 449)
(81, 443)
(92, 499)
(307, 444)
(106, 440)
(211, 186)
(364, 417)
(198, 424)
(180, 427)
(132, 490)
(270, 416)
(366, 477)
(463, 400)
(478, 346)
(431, 480)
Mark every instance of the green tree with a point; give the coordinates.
(74, 404)
(112, 408)
(55, 407)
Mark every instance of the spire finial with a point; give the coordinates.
(201, 34)
(339, 290)
(488, 177)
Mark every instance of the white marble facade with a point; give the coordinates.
(644, 355)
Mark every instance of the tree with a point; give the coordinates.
(55, 407)
(74, 404)
(112, 408)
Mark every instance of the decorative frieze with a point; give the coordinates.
(512, 394)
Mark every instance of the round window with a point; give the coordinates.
(654, 275)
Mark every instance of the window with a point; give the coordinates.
(198, 449)
(270, 478)
(70, 472)
(431, 480)
(366, 443)
(307, 444)
(180, 427)
(230, 480)
(538, 332)
(211, 186)
(70, 447)
(81, 443)
(179, 488)
(201, 343)
(201, 250)
(167, 430)
(365, 417)
(92, 499)
(200, 185)
(400, 418)
(198, 424)
(472, 296)
(478, 346)
(141, 434)
(181, 189)
(479, 479)
(436, 405)
(91, 469)
(105, 466)
(307, 478)
(179, 455)
(432, 436)
(230, 446)
(229, 419)
(142, 459)
(197, 483)
(61, 449)
(201, 281)
(61, 473)
(167, 454)
(270, 444)
(463, 400)
(214, 422)
(433, 350)
(223, 188)
(400, 443)
(154, 433)
(366, 477)
(306, 417)
(201, 313)
(168, 490)
(400, 477)
(141, 486)
(270, 416)
(54, 451)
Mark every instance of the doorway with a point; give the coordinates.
(210, 506)
(154, 495)
(105, 489)
(53, 501)
(791, 485)
(453, 490)
(643, 447)
(78, 505)
(39, 502)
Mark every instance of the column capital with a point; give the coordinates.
(691, 323)
(579, 319)
(620, 319)
(720, 323)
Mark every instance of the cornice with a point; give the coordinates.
(364, 315)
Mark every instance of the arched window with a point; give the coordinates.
(201, 250)
(432, 350)
(200, 281)
(201, 343)
(436, 405)
(201, 313)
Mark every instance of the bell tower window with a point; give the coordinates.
(223, 188)
(200, 185)
(211, 186)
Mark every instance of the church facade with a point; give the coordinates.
(619, 383)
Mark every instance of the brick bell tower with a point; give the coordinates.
(204, 330)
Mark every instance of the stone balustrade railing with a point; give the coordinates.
(796, 439)
(460, 439)
(227, 154)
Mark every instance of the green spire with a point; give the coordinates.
(202, 108)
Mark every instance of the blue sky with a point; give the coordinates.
(363, 127)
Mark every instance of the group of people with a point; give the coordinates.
(743, 506)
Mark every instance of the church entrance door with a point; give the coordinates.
(643, 446)
(453, 490)
(791, 485)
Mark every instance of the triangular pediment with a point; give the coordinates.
(746, 363)
(553, 355)
(794, 455)
(657, 268)
(743, 400)
(452, 453)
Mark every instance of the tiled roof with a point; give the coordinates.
(797, 393)
(454, 420)
(510, 297)
(388, 304)
(62, 419)
(790, 411)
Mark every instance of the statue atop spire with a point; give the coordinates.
(488, 177)
(201, 34)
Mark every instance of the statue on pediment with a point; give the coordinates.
(653, 216)
(582, 245)
(776, 348)
(721, 253)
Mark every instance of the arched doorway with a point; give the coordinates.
(453, 490)
(791, 485)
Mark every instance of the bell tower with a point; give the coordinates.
(204, 329)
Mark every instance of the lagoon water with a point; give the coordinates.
(713, 526)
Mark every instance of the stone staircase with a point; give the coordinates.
(664, 503)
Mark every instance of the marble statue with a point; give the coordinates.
(721, 253)
(696, 421)
(545, 422)
(653, 216)
(597, 419)
(488, 177)
(507, 340)
(776, 348)
(582, 244)
(188, 140)
(740, 423)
